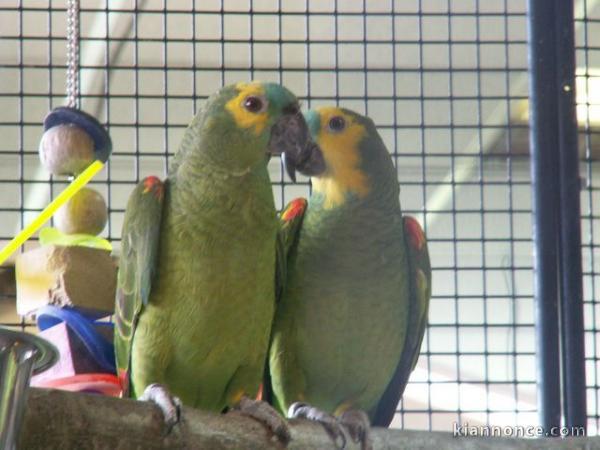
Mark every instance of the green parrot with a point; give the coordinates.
(195, 296)
(355, 287)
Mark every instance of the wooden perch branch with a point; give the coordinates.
(69, 421)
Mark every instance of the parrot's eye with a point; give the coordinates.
(337, 124)
(255, 104)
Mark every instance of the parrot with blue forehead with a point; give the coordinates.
(354, 292)
(195, 296)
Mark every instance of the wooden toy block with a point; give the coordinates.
(74, 357)
(74, 276)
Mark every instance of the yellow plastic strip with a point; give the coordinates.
(43, 217)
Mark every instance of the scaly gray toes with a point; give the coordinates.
(329, 422)
(266, 414)
(358, 425)
(169, 405)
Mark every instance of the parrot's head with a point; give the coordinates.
(356, 160)
(244, 124)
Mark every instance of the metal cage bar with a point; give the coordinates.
(572, 326)
(556, 211)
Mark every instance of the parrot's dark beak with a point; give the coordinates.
(291, 138)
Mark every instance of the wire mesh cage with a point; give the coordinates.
(444, 80)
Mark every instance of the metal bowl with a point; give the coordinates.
(46, 354)
(21, 354)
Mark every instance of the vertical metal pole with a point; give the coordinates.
(544, 177)
(573, 349)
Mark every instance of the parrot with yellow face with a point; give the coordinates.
(195, 297)
(355, 285)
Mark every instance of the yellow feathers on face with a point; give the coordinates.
(238, 107)
(342, 155)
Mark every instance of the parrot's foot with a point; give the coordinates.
(266, 414)
(168, 404)
(329, 422)
(359, 427)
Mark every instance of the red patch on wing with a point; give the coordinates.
(124, 380)
(295, 208)
(154, 185)
(415, 233)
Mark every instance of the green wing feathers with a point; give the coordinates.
(290, 222)
(421, 278)
(420, 292)
(137, 264)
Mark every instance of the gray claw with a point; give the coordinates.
(358, 424)
(169, 405)
(266, 414)
(329, 422)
